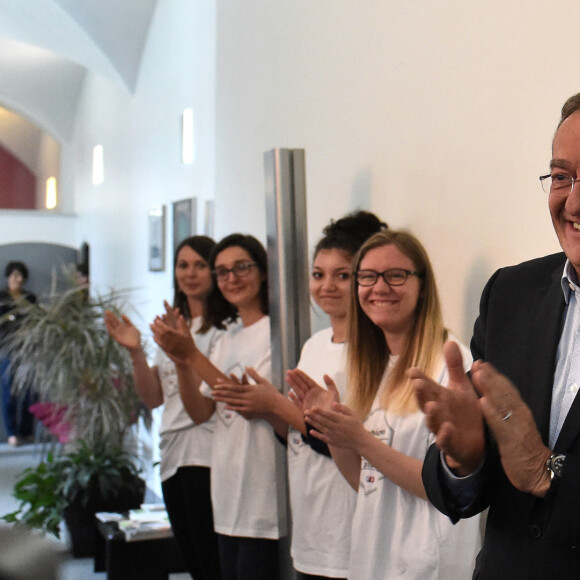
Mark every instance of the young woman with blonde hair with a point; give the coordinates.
(379, 439)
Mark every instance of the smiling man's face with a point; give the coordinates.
(565, 208)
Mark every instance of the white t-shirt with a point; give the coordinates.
(247, 483)
(321, 500)
(396, 534)
(182, 441)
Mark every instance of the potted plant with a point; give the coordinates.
(64, 354)
(74, 486)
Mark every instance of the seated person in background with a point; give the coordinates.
(18, 422)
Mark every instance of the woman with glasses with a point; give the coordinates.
(379, 438)
(248, 494)
(185, 448)
(320, 536)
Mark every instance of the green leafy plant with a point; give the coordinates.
(41, 503)
(87, 476)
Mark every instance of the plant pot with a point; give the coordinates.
(80, 519)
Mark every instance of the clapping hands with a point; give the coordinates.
(171, 333)
(123, 331)
(249, 400)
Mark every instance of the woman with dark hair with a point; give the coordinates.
(379, 440)
(221, 311)
(248, 494)
(18, 422)
(320, 537)
(185, 446)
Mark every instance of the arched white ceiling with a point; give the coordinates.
(47, 47)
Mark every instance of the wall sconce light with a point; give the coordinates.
(187, 144)
(98, 166)
(51, 196)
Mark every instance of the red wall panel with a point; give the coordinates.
(17, 183)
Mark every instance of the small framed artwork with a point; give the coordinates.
(184, 219)
(157, 239)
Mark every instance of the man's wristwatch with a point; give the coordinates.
(555, 465)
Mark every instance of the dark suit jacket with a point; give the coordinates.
(9, 306)
(518, 330)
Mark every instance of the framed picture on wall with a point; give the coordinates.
(157, 238)
(184, 219)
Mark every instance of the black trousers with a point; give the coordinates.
(188, 503)
(248, 558)
(17, 418)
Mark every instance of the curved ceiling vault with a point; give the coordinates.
(47, 47)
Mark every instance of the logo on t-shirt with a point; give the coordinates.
(226, 416)
(295, 442)
(168, 374)
(370, 476)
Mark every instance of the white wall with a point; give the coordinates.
(27, 226)
(436, 115)
(141, 139)
(140, 134)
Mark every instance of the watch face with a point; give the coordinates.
(559, 464)
(556, 465)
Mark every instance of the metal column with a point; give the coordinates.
(287, 258)
(287, 278)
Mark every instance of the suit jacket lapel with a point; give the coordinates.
(545, 330)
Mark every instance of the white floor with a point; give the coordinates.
(12, 462)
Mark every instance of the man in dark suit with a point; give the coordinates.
(508, 437)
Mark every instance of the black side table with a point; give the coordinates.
(153, 559)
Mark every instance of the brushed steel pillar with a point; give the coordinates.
(288, 267)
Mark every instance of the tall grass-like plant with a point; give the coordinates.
(64, 354)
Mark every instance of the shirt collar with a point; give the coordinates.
(569, 281)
